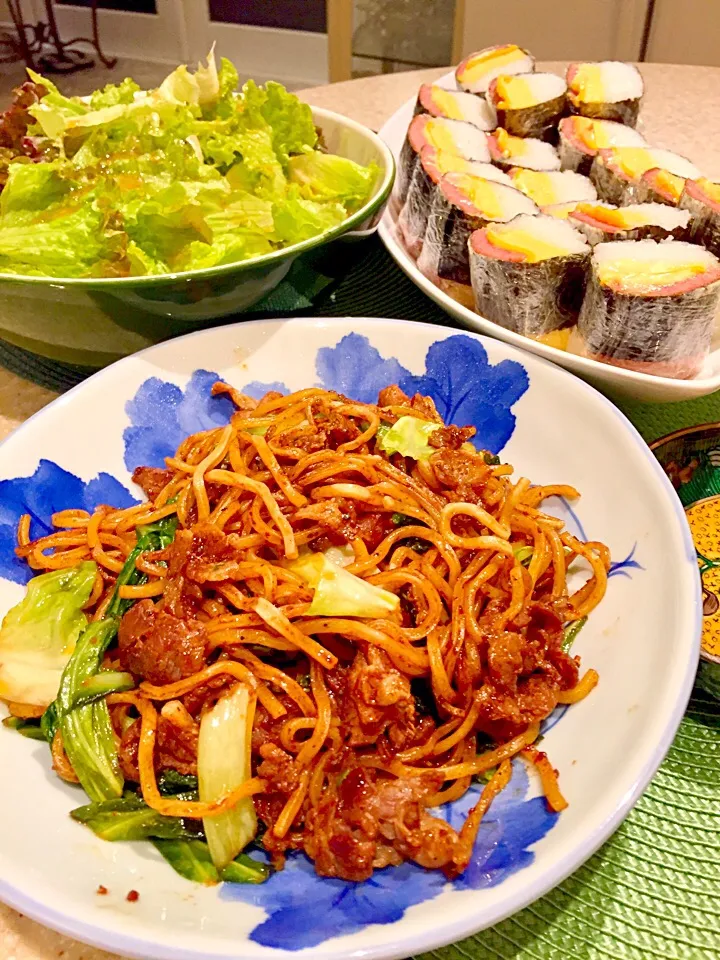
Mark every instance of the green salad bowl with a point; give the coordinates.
(93, 322)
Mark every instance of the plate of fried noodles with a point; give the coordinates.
(328, 638)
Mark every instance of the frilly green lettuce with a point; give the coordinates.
(338, 593)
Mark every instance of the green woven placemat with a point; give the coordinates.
(653, 890)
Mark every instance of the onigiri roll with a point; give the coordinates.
(476, 72)
(508, 151)
(433, 166)
(617, 172)
(554, 187)
(528, 104)
(561, 211)
(660, 186)
(638, 221)
(649, 306)
(461, 204)
(608, 90)
(454, 136)
(528, 275)
(582, 137)
(455, 105)
(702, 199)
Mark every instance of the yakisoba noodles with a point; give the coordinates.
(394, 603)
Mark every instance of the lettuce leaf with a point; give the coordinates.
(113, 94)
(297, 219)
(408, 436)
(33, 187)
(339, 593)
(323, 176)
(290, 120)
(39, 634)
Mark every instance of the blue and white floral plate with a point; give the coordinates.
(643, 640)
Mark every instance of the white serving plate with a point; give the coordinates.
(606, 377)
(643, 640)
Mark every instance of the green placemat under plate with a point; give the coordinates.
(653, 890)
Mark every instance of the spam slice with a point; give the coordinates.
(582, 137)
(528, 275)
(454, 136)
(455, 105)
(649, 306)
(702, 199)
(476, 72)
(528, 104)
(433, 166)
(638, 221)
(529, 152)
(608, 90)
(550, 188)
(461, 204)
(617, 172)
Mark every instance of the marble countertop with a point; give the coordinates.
(681, 112)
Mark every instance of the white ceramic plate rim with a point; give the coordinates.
(679, 690)
(583, 365)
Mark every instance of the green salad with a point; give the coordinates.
(193, 174)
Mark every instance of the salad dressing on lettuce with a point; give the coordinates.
(193, 174)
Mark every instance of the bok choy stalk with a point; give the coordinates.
(80, 711)
(39, 634)
(224, 764)
(339, 593)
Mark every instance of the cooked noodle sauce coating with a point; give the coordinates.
(363, 725)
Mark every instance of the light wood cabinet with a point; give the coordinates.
(685, 31)
(555, 29)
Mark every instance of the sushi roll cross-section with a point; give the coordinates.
(528, 104)
(462, 204)
(528, 275)
(551, 188)
(608, 90)
(582, 137)
(649, 306)
(638, 221)
(508, 151)
(453, 136)
(476, 72)
(433, 166)
(617, 172)
(455, 105)
(701, 198)
(660, 186)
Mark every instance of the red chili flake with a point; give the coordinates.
(102, 891)
(133, 896)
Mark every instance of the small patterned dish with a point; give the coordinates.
(691, 459)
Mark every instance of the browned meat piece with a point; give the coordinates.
(241, 400)
(278, 768)
(458, 471)
(393, 396)
(176, 749)
(159, 647)
(377, 696)
(370, 823)
(339, 430)
(151, 480)
(451, 438)
(425, 406)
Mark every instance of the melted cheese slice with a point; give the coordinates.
(514, 93)
(492, 60)
(447, 103)
(533, 248)
(635, 275)
(587, 83)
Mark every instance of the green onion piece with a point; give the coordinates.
(571, 632)
(28, 728)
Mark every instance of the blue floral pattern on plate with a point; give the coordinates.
(302, 909)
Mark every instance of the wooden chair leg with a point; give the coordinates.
(340, 31)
